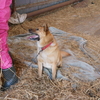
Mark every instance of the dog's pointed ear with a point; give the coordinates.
(46, 28)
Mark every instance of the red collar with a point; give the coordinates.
(43, 48)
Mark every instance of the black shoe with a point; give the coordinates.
(10, 78)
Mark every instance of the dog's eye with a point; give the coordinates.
(37, 29)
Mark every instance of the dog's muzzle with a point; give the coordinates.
(34, 36)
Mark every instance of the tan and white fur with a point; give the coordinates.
(51, 57)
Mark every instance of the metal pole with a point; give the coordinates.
(34, 13)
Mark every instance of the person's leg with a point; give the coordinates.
(6, 61)
(6, 65)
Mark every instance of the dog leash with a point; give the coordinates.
(43, 48)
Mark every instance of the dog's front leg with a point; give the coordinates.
(54, 68)
(40, 68)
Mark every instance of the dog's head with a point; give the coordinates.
(39, 33)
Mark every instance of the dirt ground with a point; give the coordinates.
(82, 20)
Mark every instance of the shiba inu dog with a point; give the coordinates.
(49, 54)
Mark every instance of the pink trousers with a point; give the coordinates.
(5, 59)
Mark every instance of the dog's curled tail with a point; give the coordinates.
(65, 54)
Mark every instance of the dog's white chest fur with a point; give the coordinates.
(45, 58)
(47, 65)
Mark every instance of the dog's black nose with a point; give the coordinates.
(30, 30)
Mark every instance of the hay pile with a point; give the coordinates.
(30, 87)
